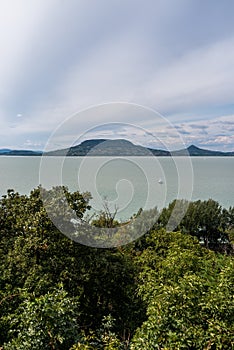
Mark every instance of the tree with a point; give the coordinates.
(189, 295)
(56, 293)
(37, 257)
(104, 338)
(206, 220)
(50, 321)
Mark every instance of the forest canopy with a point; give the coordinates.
(166, 290)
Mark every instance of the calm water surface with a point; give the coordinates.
(127, 184)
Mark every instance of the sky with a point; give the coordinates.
(59, 58)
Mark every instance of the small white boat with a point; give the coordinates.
(160, 181)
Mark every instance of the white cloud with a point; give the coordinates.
(19, 22)
(112, 73)
(200, 78)
(217, 132)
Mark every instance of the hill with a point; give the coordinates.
(117, 148)
(121, 147)
(200, 152)
(102, 147)
(9, 152)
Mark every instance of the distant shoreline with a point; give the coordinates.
(116, 148)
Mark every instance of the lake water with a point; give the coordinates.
(125, 183)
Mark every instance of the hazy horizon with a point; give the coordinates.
(109, 139)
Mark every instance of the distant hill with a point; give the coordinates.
(102, 147)
(119, 147)
(4, 150)
(200, 152)
(9, 152)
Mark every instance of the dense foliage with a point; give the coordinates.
(167, 290)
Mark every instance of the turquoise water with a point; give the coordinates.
(125, 183)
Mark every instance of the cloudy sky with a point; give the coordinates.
(59, 57)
